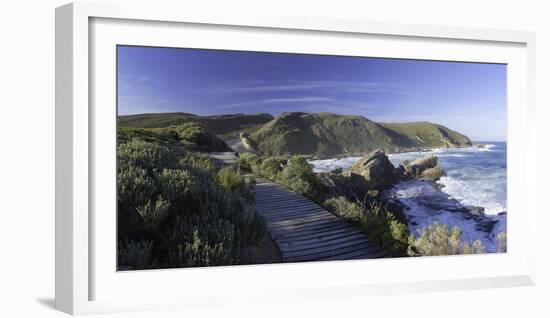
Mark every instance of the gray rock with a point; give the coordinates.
(374, 171)
(434, 173)
(424, 168)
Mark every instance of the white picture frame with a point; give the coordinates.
(83, 284)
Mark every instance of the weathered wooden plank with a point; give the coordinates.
(302, 222)
(318, 230)
(304, 217)
(286, 205)
(327, 248)
(372, 252)
(276, 197)
(298, 216)
(289, 216)
(277, 194)
(311, 238)
(312, 224)
(293, 213)
(325, 254)
(260, 200)
(272, 192)
(323, 243)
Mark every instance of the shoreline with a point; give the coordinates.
(424, 201)
(400, 151)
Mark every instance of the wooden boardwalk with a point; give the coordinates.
(303, 230)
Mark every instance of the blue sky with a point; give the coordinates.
(467, 97)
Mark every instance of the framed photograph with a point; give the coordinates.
(274, 158)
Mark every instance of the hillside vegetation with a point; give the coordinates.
(224, 126)
(190, 136)
(327, 134)
(312, 134)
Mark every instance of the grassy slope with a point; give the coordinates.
(189, 136)
(224, 126)
(426, 134)
(326, 134)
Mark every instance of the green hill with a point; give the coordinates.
(191, 136)
(327, 134)
(430, 135)
(224, 126)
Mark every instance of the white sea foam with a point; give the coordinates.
(473, 193)
(327, 165)
(426, 206)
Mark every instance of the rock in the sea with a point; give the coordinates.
(424, 168)
(374, 171)
(434, 173)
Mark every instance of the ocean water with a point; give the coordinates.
(476, 177)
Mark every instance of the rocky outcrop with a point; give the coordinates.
(374, 171)
(248, 144)
(425, 168)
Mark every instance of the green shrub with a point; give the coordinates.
(194, 215)
(249, 160)
(475, 248)
(294, 172)
(345, 208)
(195, 134)
(175, 184)
(197, 252)
(234, 181)
(135, 254)
(198, 161)
(146, 155)
(270, 167)
(298, 175)
(501, 242)
(439, 239)
(153, 213)
(376, 221)
(134, 186)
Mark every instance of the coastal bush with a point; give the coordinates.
(344, 208)
(197, 252)
(154, 212)
(181, 211)
(294, 172)
(376, 221)
(135, 254)
(440, 239)
(195, 134)
(198, 161)
(298, 175)
(501, 242)
(146, 155)
(189, 136)
(271, 166)
(249, 160)
(234, 181)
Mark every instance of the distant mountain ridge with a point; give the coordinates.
(328, 134)
(313, 134)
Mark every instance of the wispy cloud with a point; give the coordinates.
(284, 100)
(136, 94)
(330, 85)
